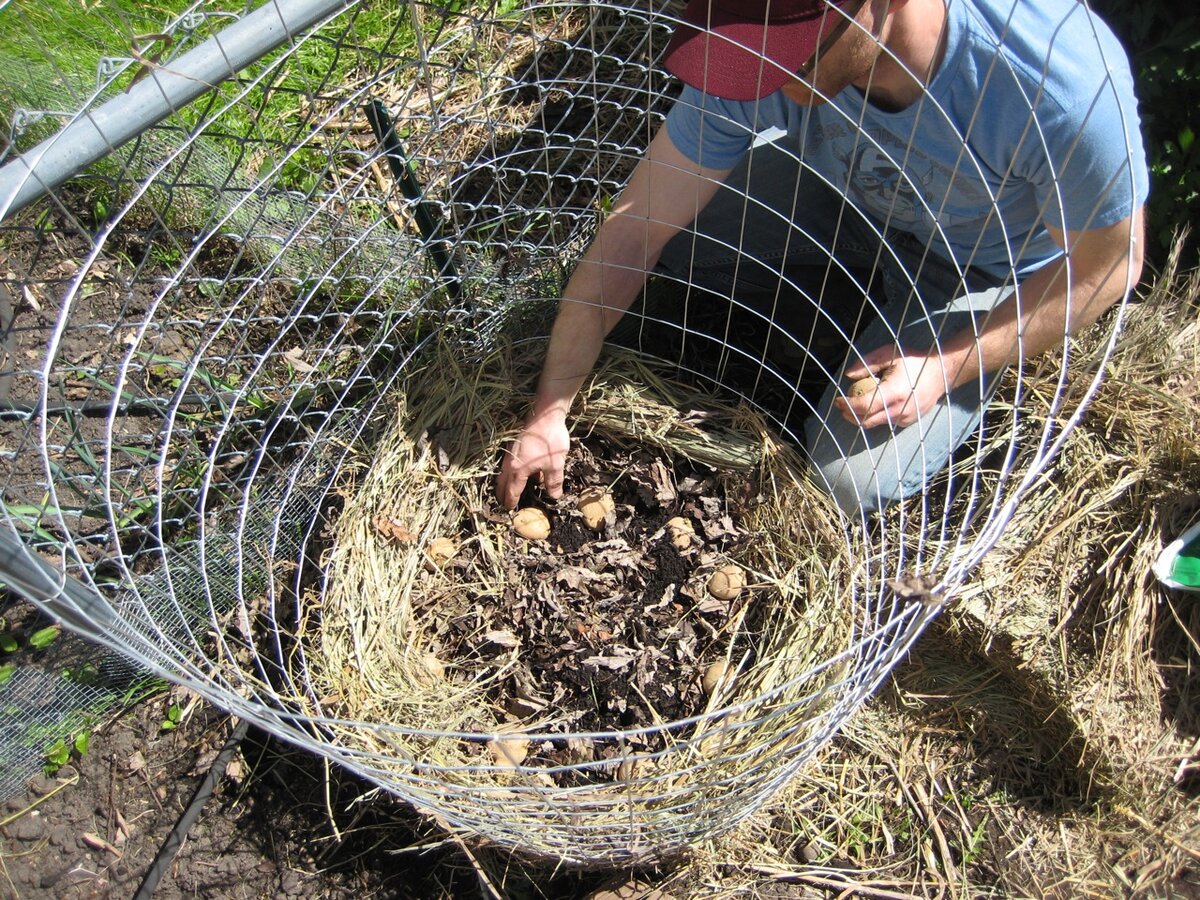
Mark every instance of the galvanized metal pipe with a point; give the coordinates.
(95, 133)
(80, 607)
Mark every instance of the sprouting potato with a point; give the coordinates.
(726, 583)
(864, 386)
(531, 523)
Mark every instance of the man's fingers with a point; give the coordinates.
(855, 371)
(876, 363)
(511, 486)
(538, 454)
(514, 478)
(851, 415)
(553, 484)
(849, 410)
(896, 414)
(868, 412)
(859, 370)
(511, 483)
(516, 487)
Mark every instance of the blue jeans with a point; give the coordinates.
(769, 241)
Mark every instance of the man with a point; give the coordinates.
(980, 160)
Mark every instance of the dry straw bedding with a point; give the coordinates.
(375, 655)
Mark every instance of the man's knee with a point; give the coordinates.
(865, 472)
(857, 484)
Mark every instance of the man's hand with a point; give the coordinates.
(909, 386)
(1102, 265)
(540, 451)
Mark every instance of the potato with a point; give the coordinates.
(714, 677)
(726, 583)
(864, 386)
(681, 531)
(531, 523)
(595, 505)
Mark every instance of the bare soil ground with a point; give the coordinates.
(93, 828)
(274, 827)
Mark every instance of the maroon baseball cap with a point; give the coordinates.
(744, 49)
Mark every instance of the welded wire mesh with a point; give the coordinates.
(203, 330)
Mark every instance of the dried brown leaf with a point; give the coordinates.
(391, 527)
(503, 638)
(614, 662)
(98, 843)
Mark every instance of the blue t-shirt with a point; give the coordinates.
(1029, 120)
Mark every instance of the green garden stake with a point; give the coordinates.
(1178, 566)
(423, 210)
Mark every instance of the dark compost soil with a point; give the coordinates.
(611, 627)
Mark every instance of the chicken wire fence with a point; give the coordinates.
(235, 243)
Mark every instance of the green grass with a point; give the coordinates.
(256, 126)
(50, 49)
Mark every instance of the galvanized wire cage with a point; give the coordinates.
(228, 245)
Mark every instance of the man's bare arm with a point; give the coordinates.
(664, 194)
(1098, 269)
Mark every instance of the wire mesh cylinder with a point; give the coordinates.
(202, 331)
